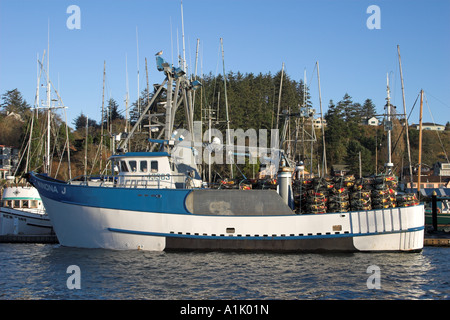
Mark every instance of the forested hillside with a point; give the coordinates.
(253, 103)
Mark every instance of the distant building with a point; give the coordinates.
(339, 170)
(441, 169)
(429, 182)
(372, 121)
(9, 159)
(429, 126)
(319, 122)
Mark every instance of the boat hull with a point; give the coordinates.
(23, 219)
(14, 222)
(91, 227)
(88, 225)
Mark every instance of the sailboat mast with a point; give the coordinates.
(47, 156)
(86, 149)
(138, 90)
(324, 171)
(103, 113)
(279, 95)
(226, 105)
(389, 163)
(127, 95)
(406, 118)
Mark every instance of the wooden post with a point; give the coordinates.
(434, 210)
(420, 144)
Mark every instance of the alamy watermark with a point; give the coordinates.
(374, 280)
(235, 147)
(74, 20)
(74, 280)
(374, 20)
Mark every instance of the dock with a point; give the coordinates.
(18, 238)
(437, 239)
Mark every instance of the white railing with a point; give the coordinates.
(148, 181)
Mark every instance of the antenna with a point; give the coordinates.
(182, 35)
(171, 39)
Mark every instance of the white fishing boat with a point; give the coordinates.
(22, 212)
(156, 201)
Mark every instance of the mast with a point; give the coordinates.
(279, 94)
(138, 91)
(226, 105)
(420, 143)
(86, 148)
(182, 35)
(127, 96)
(148, 100)
(103, 113)
(389, 163)
(47, 153)
(406, 118)
(324, 171)
(36, 105)
(195, 78)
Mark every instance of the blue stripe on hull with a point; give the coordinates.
(266, 238)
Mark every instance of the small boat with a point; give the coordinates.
(443, 214)
(22, 212)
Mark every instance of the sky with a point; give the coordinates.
(258, 37)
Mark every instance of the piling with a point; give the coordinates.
(434, 211)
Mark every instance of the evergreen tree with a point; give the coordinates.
(14, 102)
(368, 110)
(80, 122)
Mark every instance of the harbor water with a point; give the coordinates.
(53, 272)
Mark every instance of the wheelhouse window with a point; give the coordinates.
(154, 166)
(143, 166)
(133, 165)
(33, 204)
(123, 166)
(25, 204)
(16, 204)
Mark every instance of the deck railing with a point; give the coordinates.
(146, 181)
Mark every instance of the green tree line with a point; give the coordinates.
(253, 102)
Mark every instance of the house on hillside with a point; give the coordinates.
(371, 121)
(319, 122)
(429, 126)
